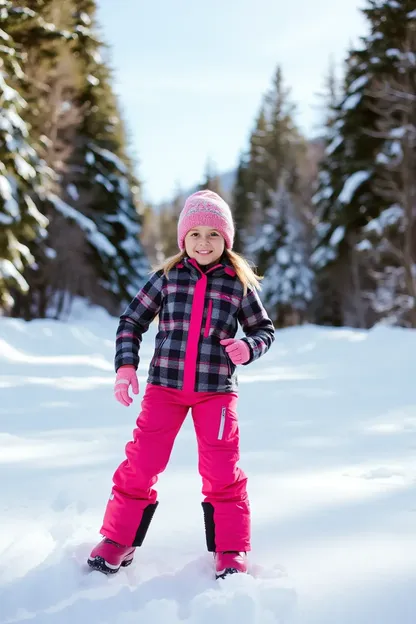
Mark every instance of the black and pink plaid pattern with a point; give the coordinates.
(172, 298)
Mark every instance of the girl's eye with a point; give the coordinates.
(214, 233)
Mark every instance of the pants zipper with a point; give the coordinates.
(222, 423)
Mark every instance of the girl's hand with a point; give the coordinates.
(237, 350)
(126, 377)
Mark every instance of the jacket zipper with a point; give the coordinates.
(194, 332)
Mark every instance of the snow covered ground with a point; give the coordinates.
(328, 434)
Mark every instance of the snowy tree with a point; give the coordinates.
(211, 180)
(167, 220)
(57, 93)
(100, 182)
(275, 149)
(21, 170)
(389, 240)
(348, 199)
(287, 288)
(241, 204)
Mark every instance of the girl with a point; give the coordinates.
(200, 295)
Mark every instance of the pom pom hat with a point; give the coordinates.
(206, 208)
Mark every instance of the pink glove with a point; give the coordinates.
(237, 350)
(126, 377)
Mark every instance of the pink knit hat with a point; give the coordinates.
(206, 208)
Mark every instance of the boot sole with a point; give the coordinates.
(101, 565)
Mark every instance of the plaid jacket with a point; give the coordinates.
(196, 310)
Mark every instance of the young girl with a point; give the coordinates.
(200, 295)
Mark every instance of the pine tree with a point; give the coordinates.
(329, 288)
(168, 220)
(247, 200)
(388, 242)
(275, 148)
(241, 205)
(90, 194)
(211, 179)
(22, 173)
(277, 152)
(288, 280)
(49, 91)
(99, 182)
(351, 170)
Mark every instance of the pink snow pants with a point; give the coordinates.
(133, 500)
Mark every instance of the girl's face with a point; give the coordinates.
(204, 244)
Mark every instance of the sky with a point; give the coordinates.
(190, 76)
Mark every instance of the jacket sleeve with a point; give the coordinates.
(256, 324)
(135, 321)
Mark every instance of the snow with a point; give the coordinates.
(132, 227)
(337, 236)
(10, 204)
(11, 95)
(328, 432)
(352, 184)
(90, 158)
(364, 245)
(389, 217)
(351, 101)
(111, 157)
(335, 143)
(105, 182)
(93, 80)
(85, 18)
(24, 169)
(34, 212)
(398, 133)
(8, 270)
(72, 192)
(393, 52)
(359, 83)
(96, 238)
(322, 256)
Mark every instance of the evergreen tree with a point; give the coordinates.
(211, 179)
(22, 173)
(274, 154)
(169, 215)
(388, 242)
(329, 288)
(351, 170)
(288, 280)
(99, 181)
(270, 213)
(241, 205)
(49, 91)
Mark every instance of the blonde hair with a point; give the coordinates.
(244, 271)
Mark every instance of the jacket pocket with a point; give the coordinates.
(208, 320)
(158, 350)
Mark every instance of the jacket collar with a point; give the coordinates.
(222, 267)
